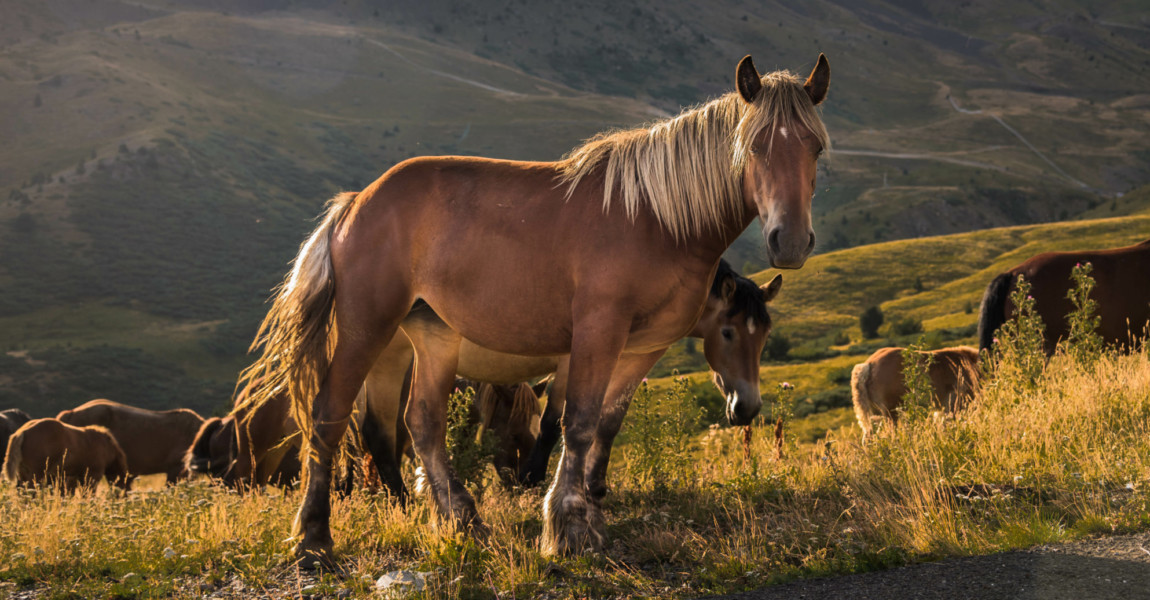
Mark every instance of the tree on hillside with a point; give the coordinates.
(870, 321)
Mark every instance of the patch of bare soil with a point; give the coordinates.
(1102, 568)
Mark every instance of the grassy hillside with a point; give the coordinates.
(936, 282)
(165, 158)
(176, 165)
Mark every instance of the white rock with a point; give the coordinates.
(169, 553)
(413, 581)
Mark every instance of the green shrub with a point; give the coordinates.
(662, 436)
(778, 347)
(869, 321)
(1018, 355)
(906, 326)
(1082, 341)
(469, 455)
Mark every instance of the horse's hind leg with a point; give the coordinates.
(426, 418)
(359, 341)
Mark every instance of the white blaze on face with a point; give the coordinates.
(751, 325)
(783, 132)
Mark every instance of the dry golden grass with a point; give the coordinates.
(1067, 459)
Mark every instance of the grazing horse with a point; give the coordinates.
(1122, 291)
(10, 420)
(878, 385)
(734, 327)
(48, 452)
(254, 445)
(153, 440)
(611, 252)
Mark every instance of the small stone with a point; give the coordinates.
(408, 580)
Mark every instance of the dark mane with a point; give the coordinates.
(748, 298)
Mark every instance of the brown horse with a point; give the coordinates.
(48, 452)
(154, 441)
(253, 445)
(1122, 291)
(734, 326)
(610, 251)
(878, 385)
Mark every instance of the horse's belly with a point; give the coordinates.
(481, 364)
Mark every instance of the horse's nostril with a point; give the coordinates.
(773, 241)
(811, 245)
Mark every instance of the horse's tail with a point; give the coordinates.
(15, 457)
(993, 312)
(295, 336)
(865, 408)
(199, 456)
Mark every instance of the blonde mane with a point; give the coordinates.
(688, 170)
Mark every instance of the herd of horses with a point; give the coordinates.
(1121, 293)
(585, 270)
(259, 444)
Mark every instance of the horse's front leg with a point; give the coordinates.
(570, 523)
(629, 373)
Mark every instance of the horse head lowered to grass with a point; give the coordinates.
(611, 251)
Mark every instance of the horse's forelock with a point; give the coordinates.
(781, 102)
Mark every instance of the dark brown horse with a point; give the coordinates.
(734, 328)
(1122, 291)
(610, 251)
(10, 420)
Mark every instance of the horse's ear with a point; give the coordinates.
(747, 79)
(819, 80)
(771, 288)
(541, 387)
(727, 292)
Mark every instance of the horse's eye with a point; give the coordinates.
(728, 333)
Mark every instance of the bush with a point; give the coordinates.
(662, 436)
(1018, 355)
(469, 456)
(1082, 341)
(778, 347)
(906, 326)
(869, 321)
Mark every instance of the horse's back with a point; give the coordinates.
(153, 441)
(1122, 290)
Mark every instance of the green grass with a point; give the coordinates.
(833, 289)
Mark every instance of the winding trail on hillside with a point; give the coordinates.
(457, 78)
(919, 156)
(1021, 138)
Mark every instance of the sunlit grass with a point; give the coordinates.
(1066, 460)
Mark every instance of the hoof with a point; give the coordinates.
(314, 557)
(572, 527)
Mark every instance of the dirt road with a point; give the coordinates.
(1105, 568)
